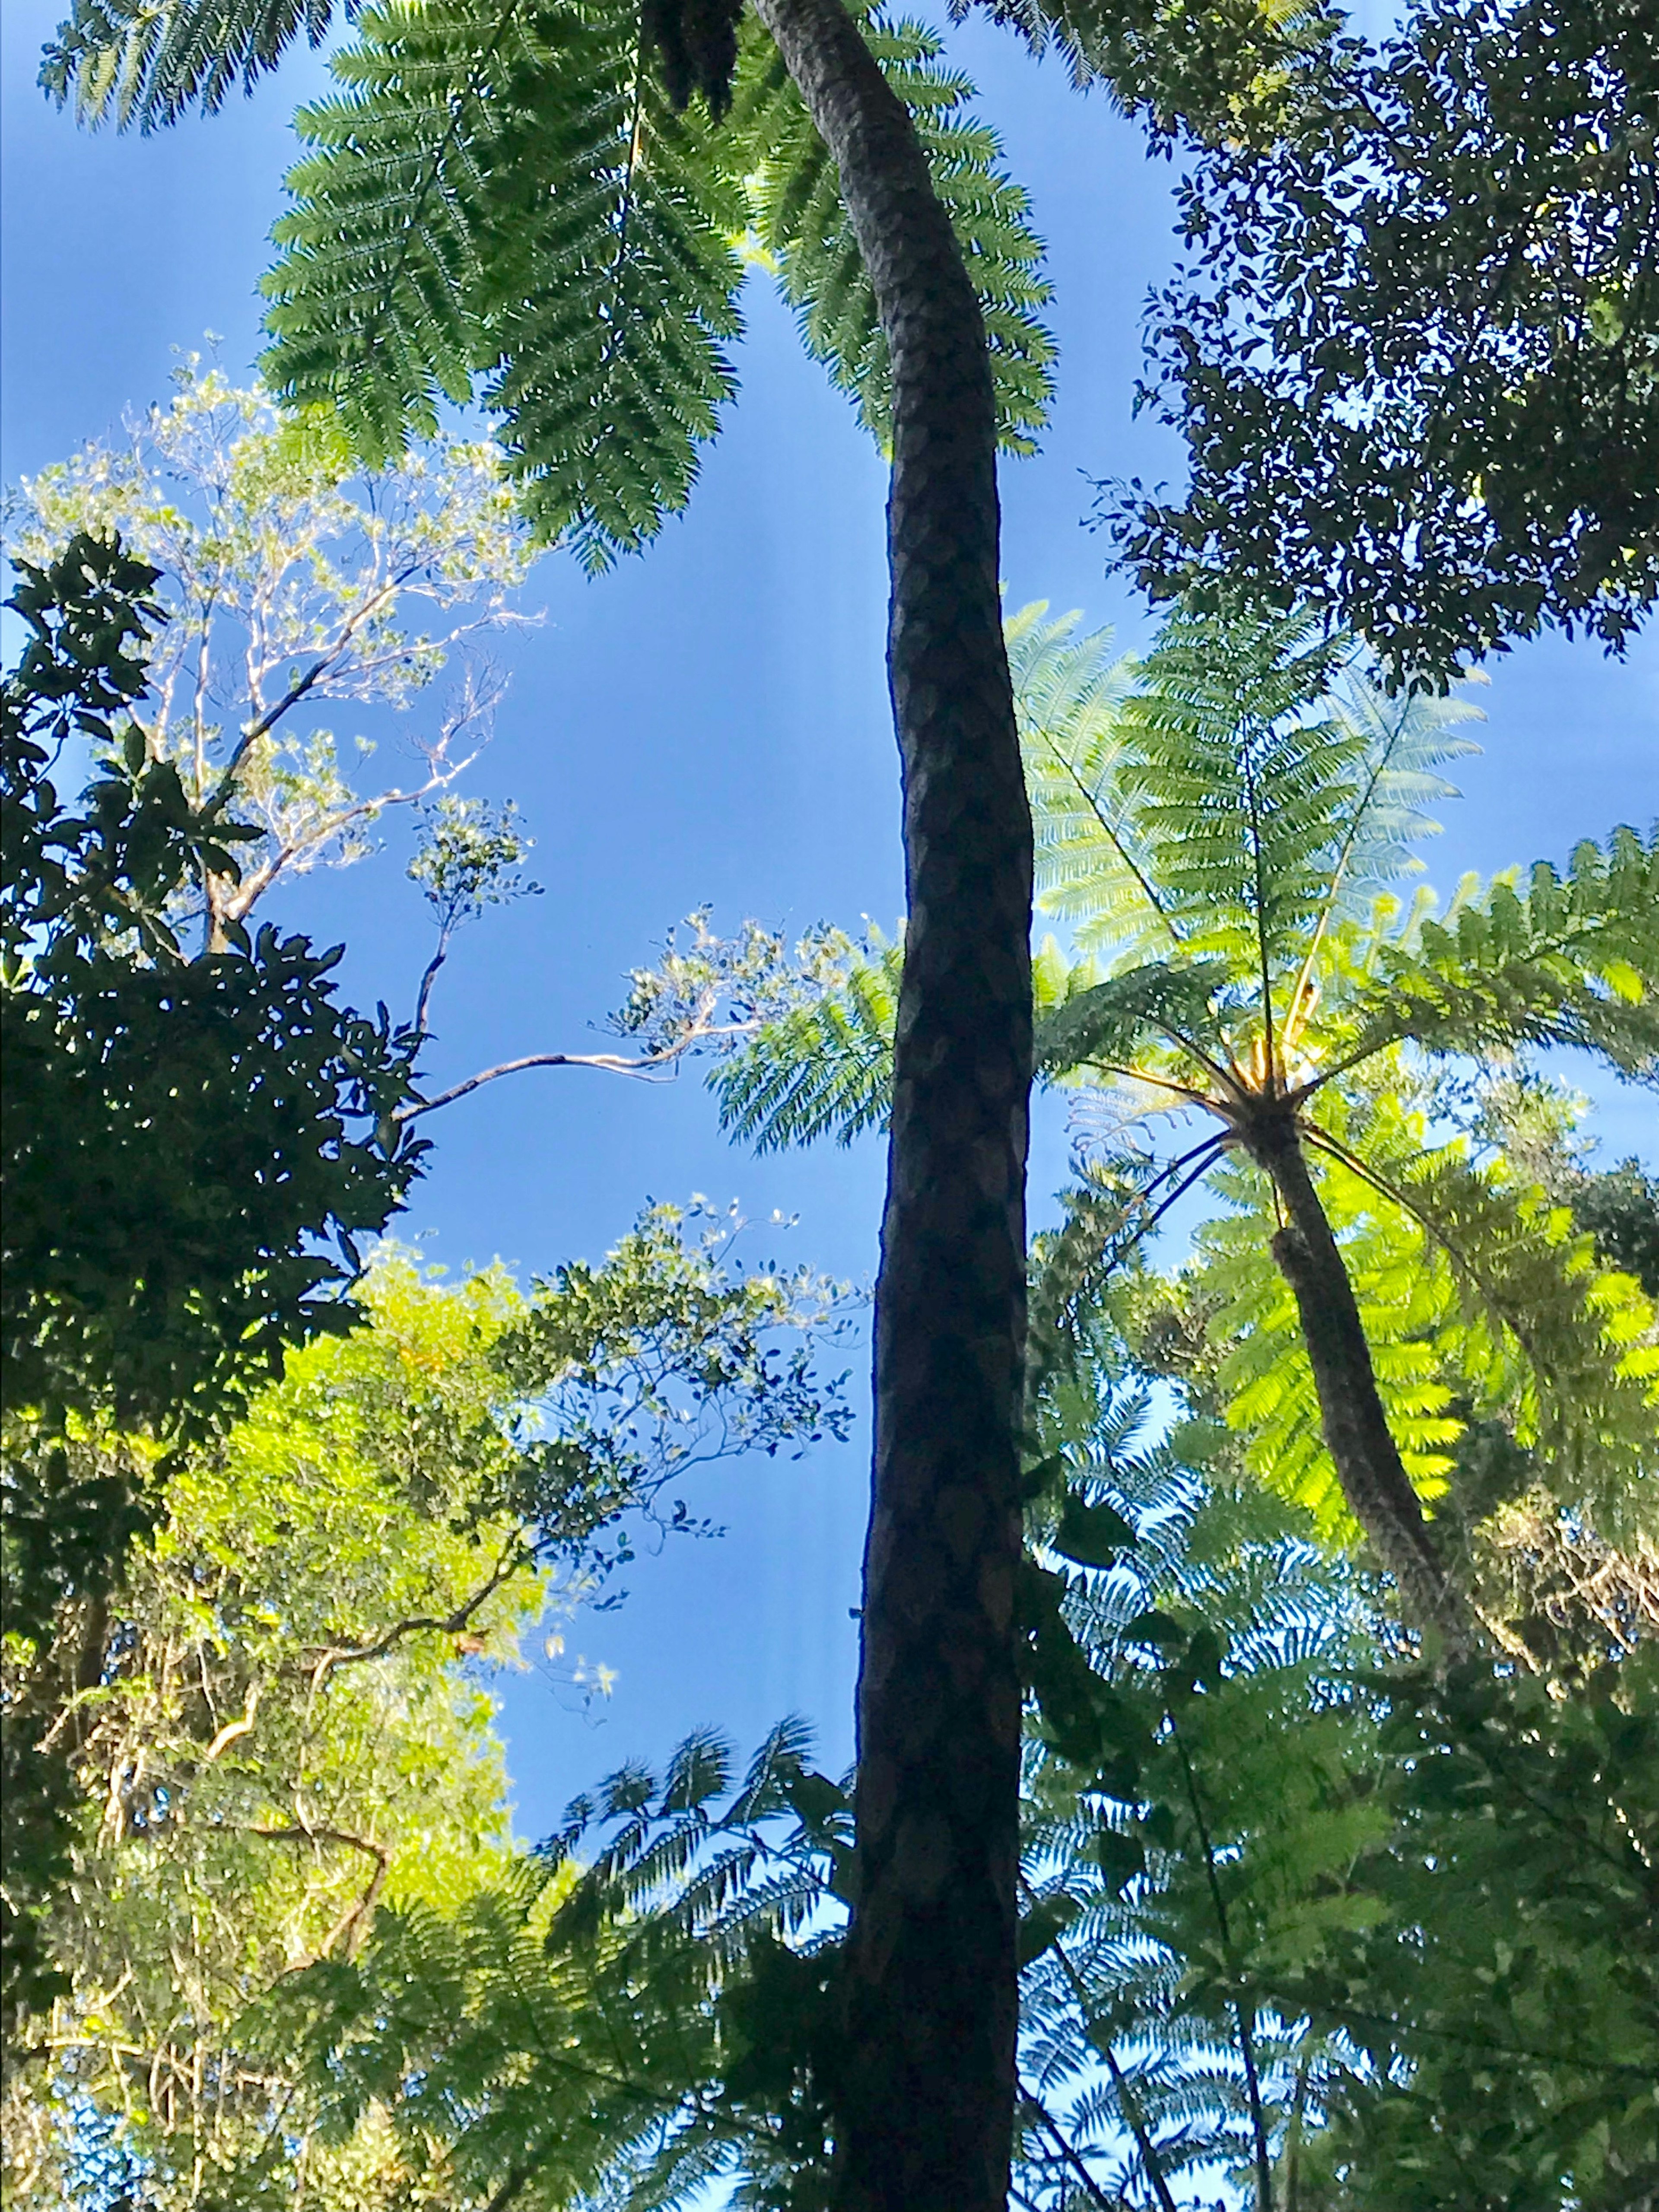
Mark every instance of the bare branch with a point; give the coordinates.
(513, 1556)
(649, 1067)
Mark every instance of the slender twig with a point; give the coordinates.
(430, 976)
(1246, 2045)
(1069, 2151)
(1127, 2103)
(658, 1067)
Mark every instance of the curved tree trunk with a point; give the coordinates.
(926, 2107)
(1374, 1479)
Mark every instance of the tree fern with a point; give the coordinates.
(1222, 826)
(800, 225)
(502, 201)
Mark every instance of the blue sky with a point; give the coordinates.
(709, 723)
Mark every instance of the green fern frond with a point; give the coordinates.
(1569, 960)
(824, 1070)
(801, 226)
(1236, 773)
(1093, 867)
(502, 204)
(1563, 1347)
(1111, 1021)
(146, 62)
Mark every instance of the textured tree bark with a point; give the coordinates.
(926, 2104)
(1357, 1434)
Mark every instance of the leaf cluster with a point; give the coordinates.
(505, 203)
(180, 1135)
(1412, 347)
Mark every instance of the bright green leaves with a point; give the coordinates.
(801, 226)
(1093, 867)
(501, 202)
(1479, 1300)
(1238, 795)
(1569, 960)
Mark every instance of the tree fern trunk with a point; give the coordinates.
(926, 2105)
(1374, 1480)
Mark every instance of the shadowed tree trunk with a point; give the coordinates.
(1374, 1480)
(926, 2105)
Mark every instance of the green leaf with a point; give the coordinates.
(501, 203)
(1094, 1536)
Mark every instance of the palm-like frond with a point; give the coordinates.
(502, 204)
(1093, 867)
(1236, 775)
(801, 226)
(146, 62)
(1112, 1023)
(1569, 960)
(822, 1070)
(502, 201)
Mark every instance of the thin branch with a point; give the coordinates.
(353, 1917)
(297, 690)
(255, 885)
(658, 1067)
(1069, 2151)
(1246, 2046)
(430, 976)
(513, 1556)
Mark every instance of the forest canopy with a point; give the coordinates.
(1255, 1788)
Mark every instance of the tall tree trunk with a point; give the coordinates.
(1374, 1480)
(926, 2103)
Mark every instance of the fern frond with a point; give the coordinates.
(1569, 960)
(502, 204)
(1109, 1021)
(822, 1070)
(1237, 774)
(801, 226)
(1093, 867)
(146, 62)
(1567, 1348)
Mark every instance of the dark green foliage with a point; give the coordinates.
(1413, 347)
(176, 1132)
(131, 61)
(503, 194)
(1507, 1992)
(177, 1128)
(1216, 69)
(1621, 1209)
(641, 2020)
(696, 45)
